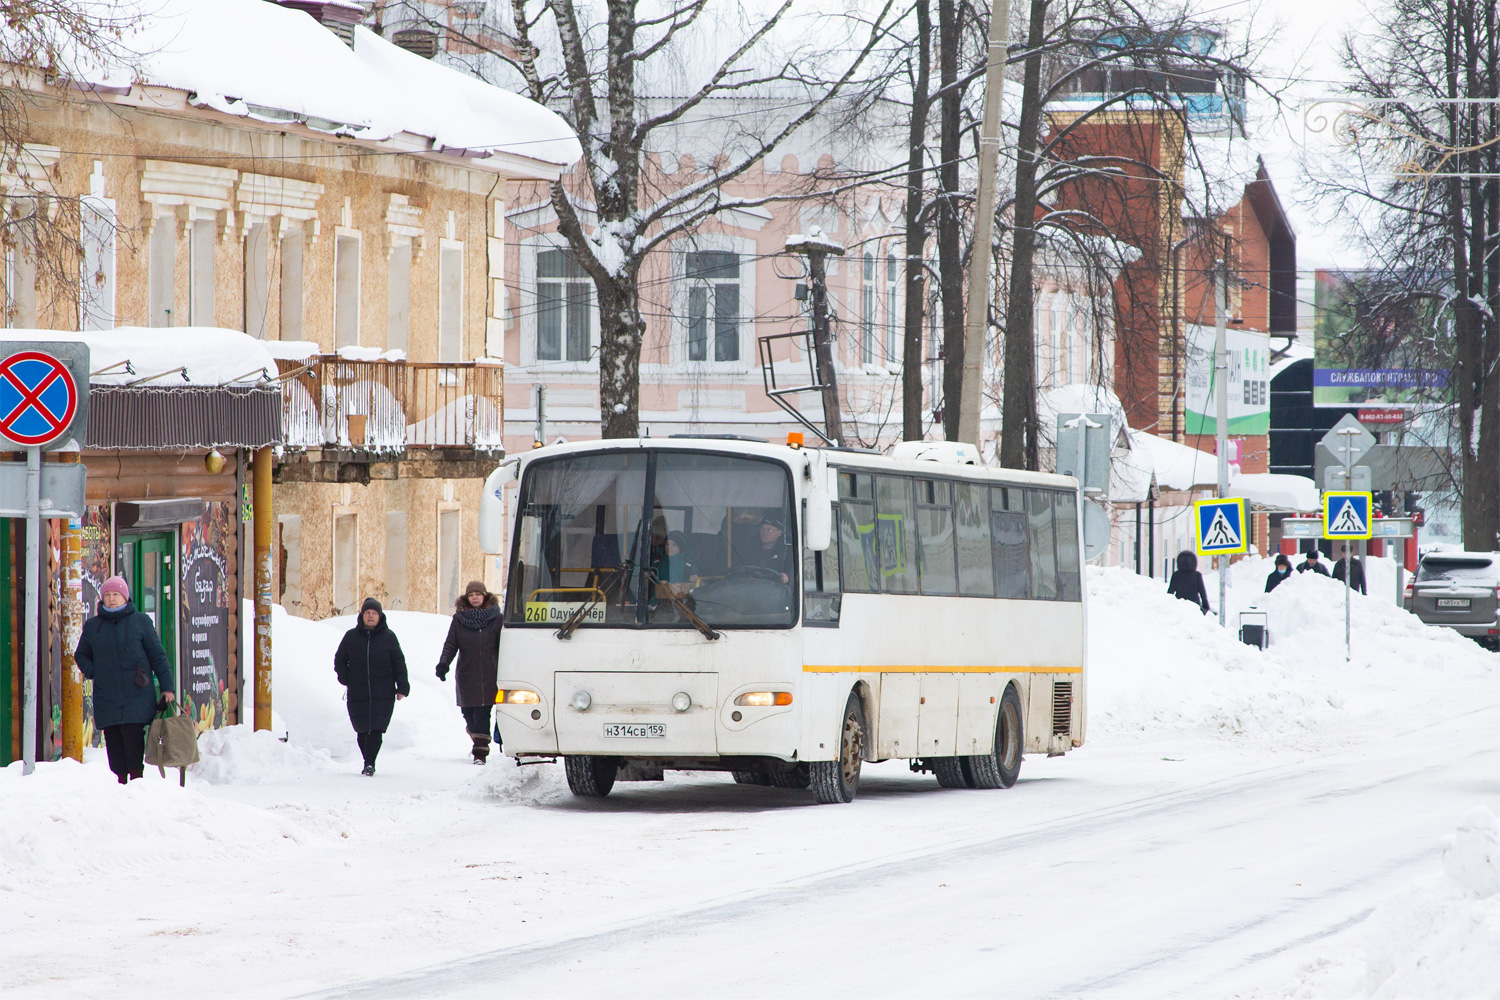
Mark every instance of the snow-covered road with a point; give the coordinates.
(1229, 829)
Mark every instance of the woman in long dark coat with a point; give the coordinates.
(120, 652)
(370, 664)
(475, 637)
(1187, 582)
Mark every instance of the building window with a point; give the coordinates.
(395, 560)
(398, 298)
(289, 574)
(451, 302)
(162, 269)
(449, 585)
(562, 306)
(258, 280)
(867, 313)
(201, 273)
(346, 290)
(894, 327)
(345, 563)
(97, 297)
(713, 280)
(291, 285)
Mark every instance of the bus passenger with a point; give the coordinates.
(369, 663)
(773, 553)
(1187, 582)
(475, 636)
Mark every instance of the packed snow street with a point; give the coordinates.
(1240, 823)
(750, 498)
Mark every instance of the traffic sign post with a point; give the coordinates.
(1346, 515)
(43, 405)
(1219, 530)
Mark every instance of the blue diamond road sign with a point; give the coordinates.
(1346, 514)
(1220, 527)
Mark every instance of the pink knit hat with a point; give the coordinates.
(115, 585)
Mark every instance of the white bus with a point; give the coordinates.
(786, 613)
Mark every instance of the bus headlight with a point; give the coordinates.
(682, 701)
(517, 697)
(764, 699)
(582, 701)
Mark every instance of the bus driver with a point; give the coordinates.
(773, 553)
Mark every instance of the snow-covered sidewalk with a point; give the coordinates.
(1165, 852)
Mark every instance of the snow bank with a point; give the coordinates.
(1440, 937)
(238, 755)
(209, 355)
(1157, 663)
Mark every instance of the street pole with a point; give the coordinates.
(540, 437)
(72, 621)
(261, 499)
(817, 248)
(1221, 409)
(977, 306)
(33, 594)
(1348, 434)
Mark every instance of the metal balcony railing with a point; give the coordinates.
(385, 407)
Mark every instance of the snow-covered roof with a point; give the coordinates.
(1294, 353)
(207, 355)
(1176, 466)
(258, 60)
(1275, 490)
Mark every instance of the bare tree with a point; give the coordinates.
(1426, 180)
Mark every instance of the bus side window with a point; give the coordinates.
(859, 562)
(972, 526)
(820, 582)
(1065, 510)
(1011, 543)
(938, 573)
(1043, 545)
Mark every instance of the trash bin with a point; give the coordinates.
(1255, 628)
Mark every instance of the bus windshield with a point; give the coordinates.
(654, 538)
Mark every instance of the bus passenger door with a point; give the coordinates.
(937, 723)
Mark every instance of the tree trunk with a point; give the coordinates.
(950, 247)
(1018, 420)
(620, 331)
(912, 417)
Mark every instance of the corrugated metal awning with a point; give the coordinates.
(149, 418)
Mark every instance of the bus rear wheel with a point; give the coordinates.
(591, 777)
(837, 780)
(1001, 766)
(751, 778)
(951, 773)
(797, 777)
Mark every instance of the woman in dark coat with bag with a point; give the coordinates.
(120, 652)
(1187, 582)
(370, 664)
(475, 637)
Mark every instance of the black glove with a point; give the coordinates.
(442, 673)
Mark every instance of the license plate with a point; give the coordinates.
(635, 731)
(1453, 602)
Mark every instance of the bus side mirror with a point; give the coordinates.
(818, 525)
(492, 508)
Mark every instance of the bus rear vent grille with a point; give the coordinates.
(1062, 707)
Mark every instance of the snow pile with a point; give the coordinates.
(1157, 663)
(209, 355)
(238, 755)
(529, 784)
(1440, 937)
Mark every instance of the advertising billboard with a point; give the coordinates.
(1249, 381)
(1374, 349)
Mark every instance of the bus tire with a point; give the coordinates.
(837, 780)
(797, 777)
(1001, 766)
(590, 777)
(950, 772)
(751, 778)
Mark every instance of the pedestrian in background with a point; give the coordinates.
(474, 636)
(1187, 583)
(1280, 573)
(1313, 564)
(120, 652)
(369, 663)
(1356, 574)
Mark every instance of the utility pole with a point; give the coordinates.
(1221, 408)
(977, 307)
(1347, 436)
(539, 438)
(817, 248)
(265, 517)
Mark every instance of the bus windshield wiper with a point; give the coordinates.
(709, 632)
(600, 594)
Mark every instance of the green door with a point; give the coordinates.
(149, 564)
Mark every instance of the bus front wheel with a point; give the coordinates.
(837, 780)
(591, 777)
(1001, 766)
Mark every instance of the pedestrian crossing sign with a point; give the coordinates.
(1220, 527)
(1346, 514)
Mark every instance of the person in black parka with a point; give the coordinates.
(1312, 564)
(120, 652)
(1187, 582)
(370, 664)
(1280, 574)
(475, 637)
(1356, 574)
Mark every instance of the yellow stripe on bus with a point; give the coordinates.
(811, 668)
